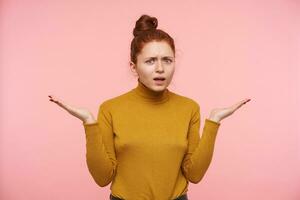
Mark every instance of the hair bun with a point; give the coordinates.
(145, 23)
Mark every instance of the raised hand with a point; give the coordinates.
(81, 113)
(218, 114)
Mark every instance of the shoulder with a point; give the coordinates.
(188, 102)
(115, 101)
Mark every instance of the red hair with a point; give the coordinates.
(145, 31)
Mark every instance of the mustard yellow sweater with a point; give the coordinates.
(147, 144)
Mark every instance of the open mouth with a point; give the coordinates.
(159, 79)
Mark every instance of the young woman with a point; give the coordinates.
(146, 141)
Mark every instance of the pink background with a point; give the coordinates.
(226, 51)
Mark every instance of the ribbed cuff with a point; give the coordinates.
(211, 127)
(212, 122)
(90, 124)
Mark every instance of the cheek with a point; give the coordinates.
(171, 70)
(146, 70)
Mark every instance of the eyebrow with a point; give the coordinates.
(162, 57)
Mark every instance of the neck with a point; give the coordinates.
(150, 95)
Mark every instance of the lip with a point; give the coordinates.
(160, 77)
(159, 82)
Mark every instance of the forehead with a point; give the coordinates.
(156, 48)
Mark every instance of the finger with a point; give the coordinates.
(62, 104)
(242, 102)
(57, 100)
(247, 101)
(66, 106)
(239, 104)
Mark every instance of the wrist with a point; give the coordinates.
(89, 120)
(214, 118)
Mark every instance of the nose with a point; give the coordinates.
(159, 67)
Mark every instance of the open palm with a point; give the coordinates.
(218, 114)
(81, 113)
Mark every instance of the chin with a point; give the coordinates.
(159, 88)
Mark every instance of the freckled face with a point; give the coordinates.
(155, 60)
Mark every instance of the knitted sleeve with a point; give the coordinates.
(100, 153)
(200, 151)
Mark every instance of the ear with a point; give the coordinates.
(133, 68)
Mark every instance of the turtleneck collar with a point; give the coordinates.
(149, 95)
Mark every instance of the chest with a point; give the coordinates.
(164, 130)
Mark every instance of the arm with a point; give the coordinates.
(100, 152)
(200, 151)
